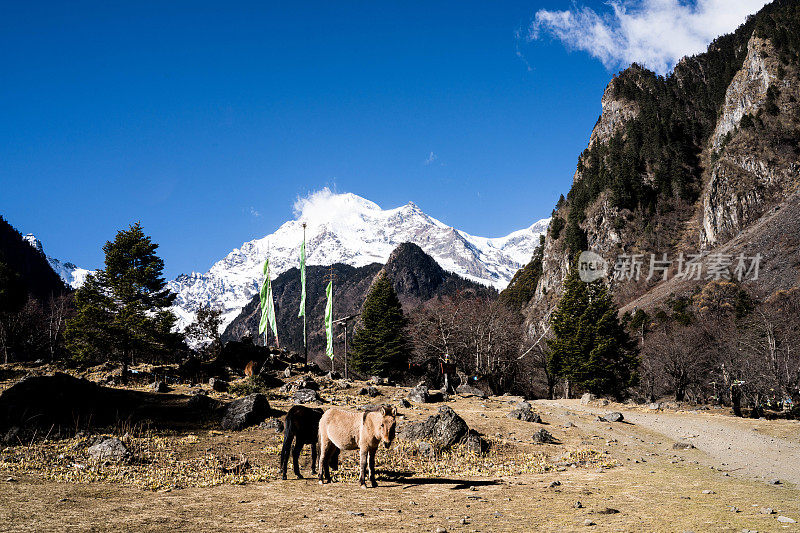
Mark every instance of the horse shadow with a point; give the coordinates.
(407, 479)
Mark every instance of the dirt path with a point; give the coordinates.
(731, 444)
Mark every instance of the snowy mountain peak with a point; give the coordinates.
(68, 272)
(346, 228)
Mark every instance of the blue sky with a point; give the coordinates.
(206, 121)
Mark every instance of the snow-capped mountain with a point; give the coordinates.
(345, 228)
(72, 275)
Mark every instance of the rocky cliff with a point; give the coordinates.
(690, 162)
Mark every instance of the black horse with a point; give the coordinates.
(302, 426)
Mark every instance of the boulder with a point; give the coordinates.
(306, 383)
(614, 416)
(244, 412)
(419, 394)
(275, 424)
(109, 449)
(587, 398)
(543, 437)
(469, 390)
(442, 429)
(682, 446)
(377, 380)
(218, 385)
(159, 386)
(526, 415)
(333, 375)
(305, 396)
(654, 405)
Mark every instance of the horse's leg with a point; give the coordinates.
(298, 448)
(334, 460)
(372, 467)
(328, 453)
(363, 456)
(323, 454)
(314, 457)
(287, 448)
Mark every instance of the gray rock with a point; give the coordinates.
(602, 402)
(287, 373)
(588, 522)
(333, 375)
(109, 449)
(159, 386)
(12, 435)
(305, 396)
(245, 412)
(786, 520)
(767, 510)
(218, 385)
(774, 481)
(526, 415)
(683, 446)
(275, 424)
(614, 416)
(543, 437)
(443, 429)
(469, 390)
(419, 394)
(654, 405)
(587, 398)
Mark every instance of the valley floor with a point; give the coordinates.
(646, 485)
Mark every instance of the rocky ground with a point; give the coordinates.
(592, 475)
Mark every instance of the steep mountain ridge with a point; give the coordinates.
(350, 230)
(24, 267)
(687, 162)
(70, 274)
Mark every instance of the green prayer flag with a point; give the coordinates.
(303, 285)
(329, 320)
(267, 305)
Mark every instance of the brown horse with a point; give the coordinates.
(351, 430)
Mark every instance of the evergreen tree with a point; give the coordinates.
(205, 329)
(590, 347)
(123, 309)
(380, 346)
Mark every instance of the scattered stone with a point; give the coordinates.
(12, 435)
(218, 385)
(774, 481)
(614, 416)
(201, 402)
(682, 446)
(786, 520)
(306, 383)
(734, 509)
(554, 484)
(305, 396)
(10, 480)
(353, 513)
(603, 402)
(587, 398)
(404, 403)
(419, 394)
(343, 384)
(655, 406)
(287, 373)
(767, 510)
(333, 375)
(440, 530)
(244, 412)
(369, 391)
(608, 510)
(707, 491)
(273, 423)
(578, 505)
(588, 522)
(109, 449)
(159, 386)
(543, 437)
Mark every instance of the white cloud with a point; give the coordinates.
(254, 212)
(430, 159)
(653, 33)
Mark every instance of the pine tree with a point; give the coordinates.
(123, 309)
(590, 347)
(380, 346)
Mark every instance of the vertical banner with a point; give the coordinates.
(329, 320)
(268, 306)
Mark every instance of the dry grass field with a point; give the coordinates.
(599, 477)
